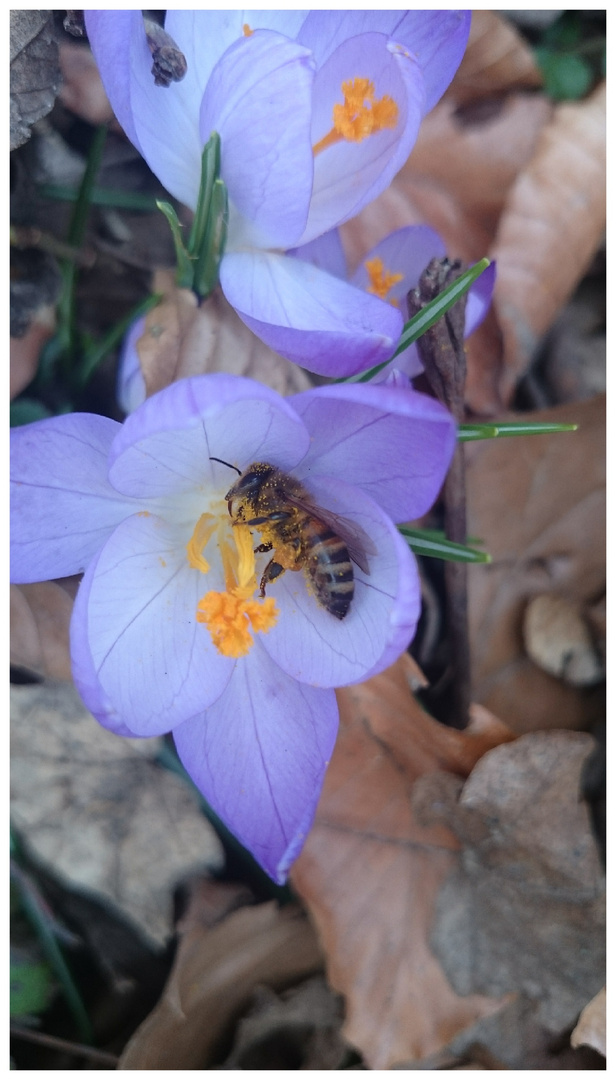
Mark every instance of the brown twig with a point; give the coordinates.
(442, 353)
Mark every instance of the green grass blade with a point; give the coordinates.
(497, 430)
(426, 543)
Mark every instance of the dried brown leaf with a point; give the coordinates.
(524, 910)
(182, 338)
(98, 812)
(497, 60)
(35, 73)
(538, 504)
(370, 872)
(550, 229)
(40, 618)
(82, 88)
(213, 978)
(590, 1028)
(26, 350)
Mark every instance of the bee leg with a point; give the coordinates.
(280, 515)
(263, 547)
(272, 571)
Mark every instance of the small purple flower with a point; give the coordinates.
(390, 270)
(316, 113)
(169, 632)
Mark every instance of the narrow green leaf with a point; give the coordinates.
(26, 411)
(206, 273)
(99, 196)
(210, 172)
(32, 987)
(184, 272)
(422, 542)
(427, 317)
(472, 432)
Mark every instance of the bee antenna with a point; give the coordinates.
(229, 466)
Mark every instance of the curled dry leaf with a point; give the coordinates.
(97, 811)
(214, 975)
(559, 640)
(25, 351)
(40, 619)
(497, 60)
(545, 536)
(551, 227)
(370, 873)
(590, 1028)
(524, 910)
(82, 89)
(182, 338)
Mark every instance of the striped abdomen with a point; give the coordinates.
(328, 567)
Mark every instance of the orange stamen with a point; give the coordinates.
(381, 280)
(360, 115)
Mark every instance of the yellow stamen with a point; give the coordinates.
(360, 115)
(381, 280)
(247, 32)
(203, 530)
(230, 615)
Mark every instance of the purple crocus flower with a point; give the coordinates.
(316, 113)
(390, 270)
(169, 632)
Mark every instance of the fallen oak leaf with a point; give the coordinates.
(550, 229)
(546, 537)
(369, 872)
(215, 972)
(40, 619)
(524, 910)
(496, 61)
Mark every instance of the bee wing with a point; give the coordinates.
(356, 539)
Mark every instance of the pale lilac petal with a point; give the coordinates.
(164, 448)
(62, 504)
(130, 381)
(437, 38)
(326, 252)
(314, 646)
(259, 756)
(406, 251)
(258, 99)
(396, 445)
(479, 298)
(154, 662)
(309, 316)
(84, 673)
(348, 175)
(110, 34)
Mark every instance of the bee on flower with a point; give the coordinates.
(171, 630)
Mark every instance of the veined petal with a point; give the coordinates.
(154, 662)
(479, 298)
(258, 99)
(259, 756)
(164, 448)
(110, 34)
(62, 505)
(325, 252)
(406, 251)
(307, 315)
(348, 175)
(396, 445)
(437, 38)
(84, 673)
(315, 647)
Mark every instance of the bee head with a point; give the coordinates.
(249, 484)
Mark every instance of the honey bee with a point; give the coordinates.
(301, 534)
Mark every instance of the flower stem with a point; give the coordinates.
(441, 349)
